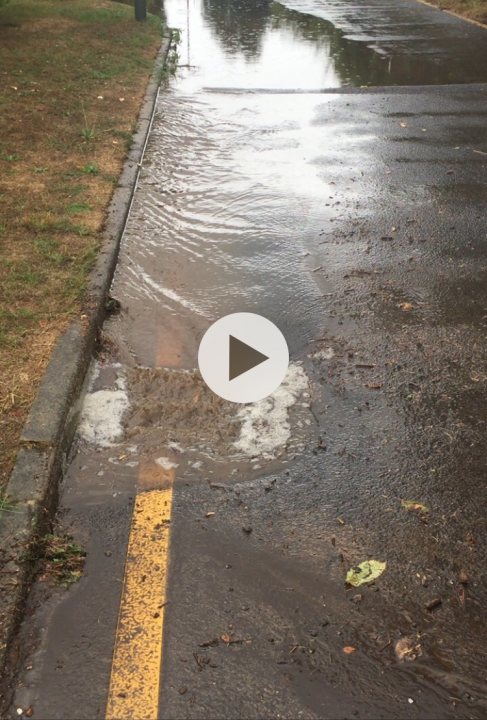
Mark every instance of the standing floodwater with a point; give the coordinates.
(321, 163)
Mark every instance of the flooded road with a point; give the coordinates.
(324, 165)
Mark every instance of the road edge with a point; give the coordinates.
(454, 14)
(32, 489)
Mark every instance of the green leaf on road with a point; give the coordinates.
(365, 572)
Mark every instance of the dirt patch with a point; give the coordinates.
(67, 113)
(175, 408)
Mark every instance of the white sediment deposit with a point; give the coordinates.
(266, 425)
(102, 413)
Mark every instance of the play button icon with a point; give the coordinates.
(243, 357)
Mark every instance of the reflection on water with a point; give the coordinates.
(266, 44)
(240, 25)
(239, 191)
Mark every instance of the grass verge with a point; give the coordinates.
(470, 9)
(73, 74)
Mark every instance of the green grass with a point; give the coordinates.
(61, 55)
(58, 226)
(77, 208)
(49, 249)
(5, 505)
(90, 169)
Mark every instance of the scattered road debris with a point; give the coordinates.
(413, 506)
(407, 649)
(64, 560)
(433, 604)
(365, 572)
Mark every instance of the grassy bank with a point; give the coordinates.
(471, 9)
(73, 73)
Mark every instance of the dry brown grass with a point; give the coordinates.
(471, 9)
(72, 76)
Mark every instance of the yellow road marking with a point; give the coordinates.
(136, 667)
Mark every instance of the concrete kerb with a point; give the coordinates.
(32, 489)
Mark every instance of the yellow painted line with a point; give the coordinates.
(136, 667)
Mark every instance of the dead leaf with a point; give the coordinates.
(413, 506)
(406, 306)
(403, 124)
(407, 649)
(433, 604)
(349, 649)
(365, 572)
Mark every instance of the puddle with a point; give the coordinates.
(239, 191)
(311, 44)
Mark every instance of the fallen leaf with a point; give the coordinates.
(407, 649)
(209, 514)
(433, 604)
(226, 639)
(406, 306)
(349, 649)
(366, 572)
(413, 506)
(403, 124)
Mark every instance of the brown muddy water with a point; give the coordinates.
(354, 219)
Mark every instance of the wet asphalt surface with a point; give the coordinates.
(354, 218)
